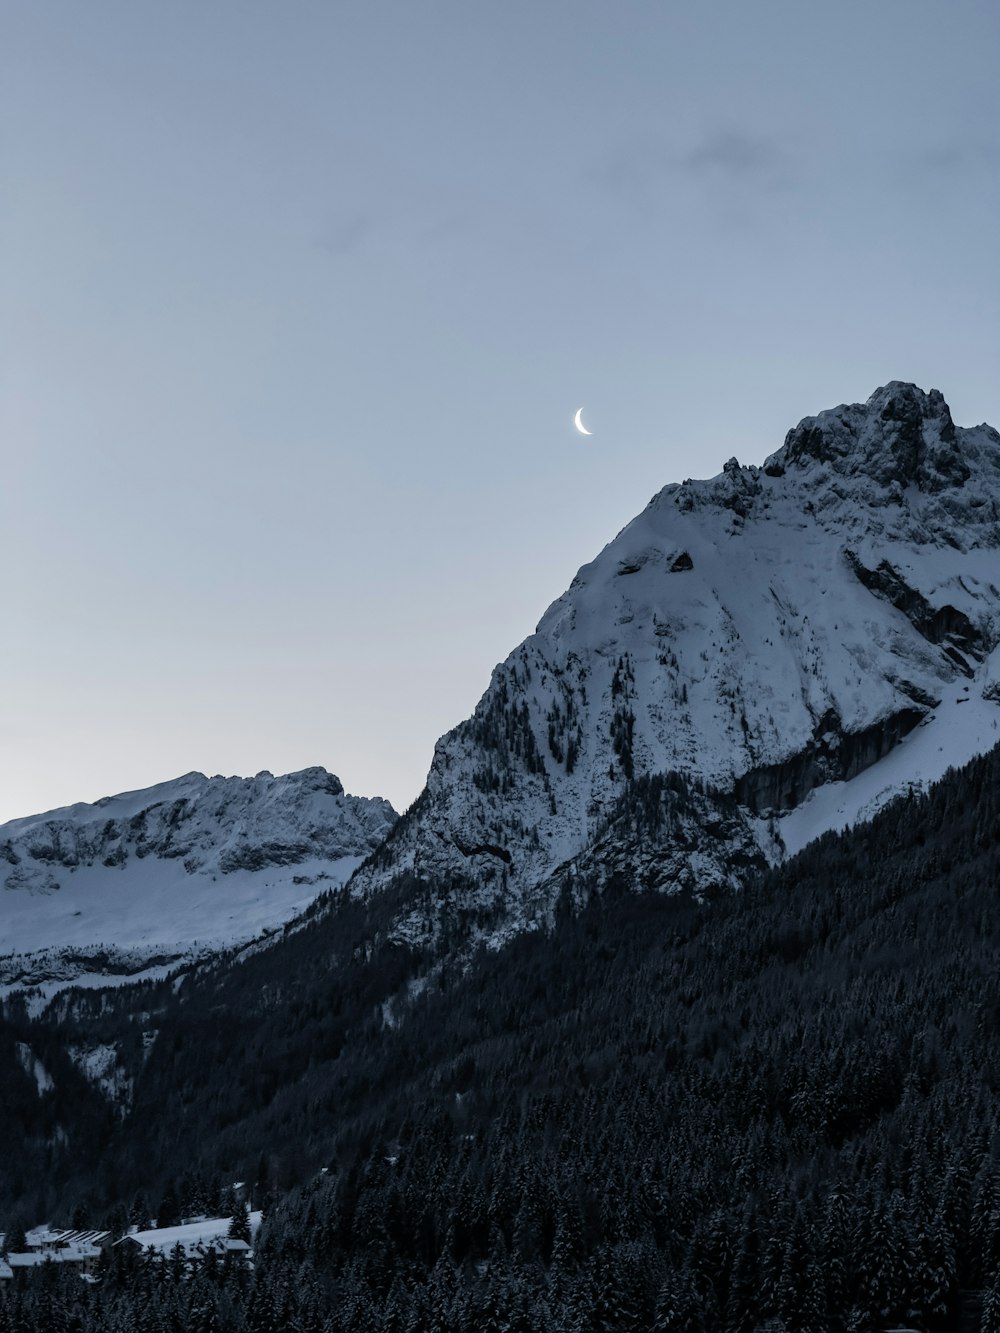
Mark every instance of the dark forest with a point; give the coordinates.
(775, 1110)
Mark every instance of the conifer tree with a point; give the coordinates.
(239, 1224)
(989, 1321)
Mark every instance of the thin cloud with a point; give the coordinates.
(344, 232)
(737, 156)
(959, 159)
(644, 171)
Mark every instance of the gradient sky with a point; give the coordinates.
(298, 299)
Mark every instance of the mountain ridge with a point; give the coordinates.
(145, 878)
(755, 658)
(765, 633)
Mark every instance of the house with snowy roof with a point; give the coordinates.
(195, 1239)
(44, 1245)
(48, 1240)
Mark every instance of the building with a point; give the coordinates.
(195, 1239)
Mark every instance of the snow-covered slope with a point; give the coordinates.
(766, 632)
(139, 880)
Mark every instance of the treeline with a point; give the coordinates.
(776, 1111)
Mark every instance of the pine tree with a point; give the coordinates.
(15, 1237)
(989, 1321)
(117, 1221)
(676, 1308)
(567, 1248)
(239, 1225)
(168, 1214)
(742, 1305)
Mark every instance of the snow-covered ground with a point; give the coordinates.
(155, 907)
(59, 973)
(150, 910)
(192, 1237)
(99, 1064)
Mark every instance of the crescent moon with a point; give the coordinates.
(578, 423)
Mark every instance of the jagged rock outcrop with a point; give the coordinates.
(212, 825)
(944, 625)
(828, 603)
(909, 438)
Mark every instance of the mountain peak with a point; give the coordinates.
(746, 641)
(318, 779)
(901, 434)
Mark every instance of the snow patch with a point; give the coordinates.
(99, 1065)
(31, 1064)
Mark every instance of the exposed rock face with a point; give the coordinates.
(944, 625)
(212, 825)
(833, 755)
(828, 602)
(901, 434)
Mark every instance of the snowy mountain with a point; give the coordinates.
(136, 881)
(755, 659)
(790, 644)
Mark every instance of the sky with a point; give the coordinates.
(298, 300)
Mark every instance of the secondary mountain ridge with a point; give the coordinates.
(173, 871)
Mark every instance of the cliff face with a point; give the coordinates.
(759, 636)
